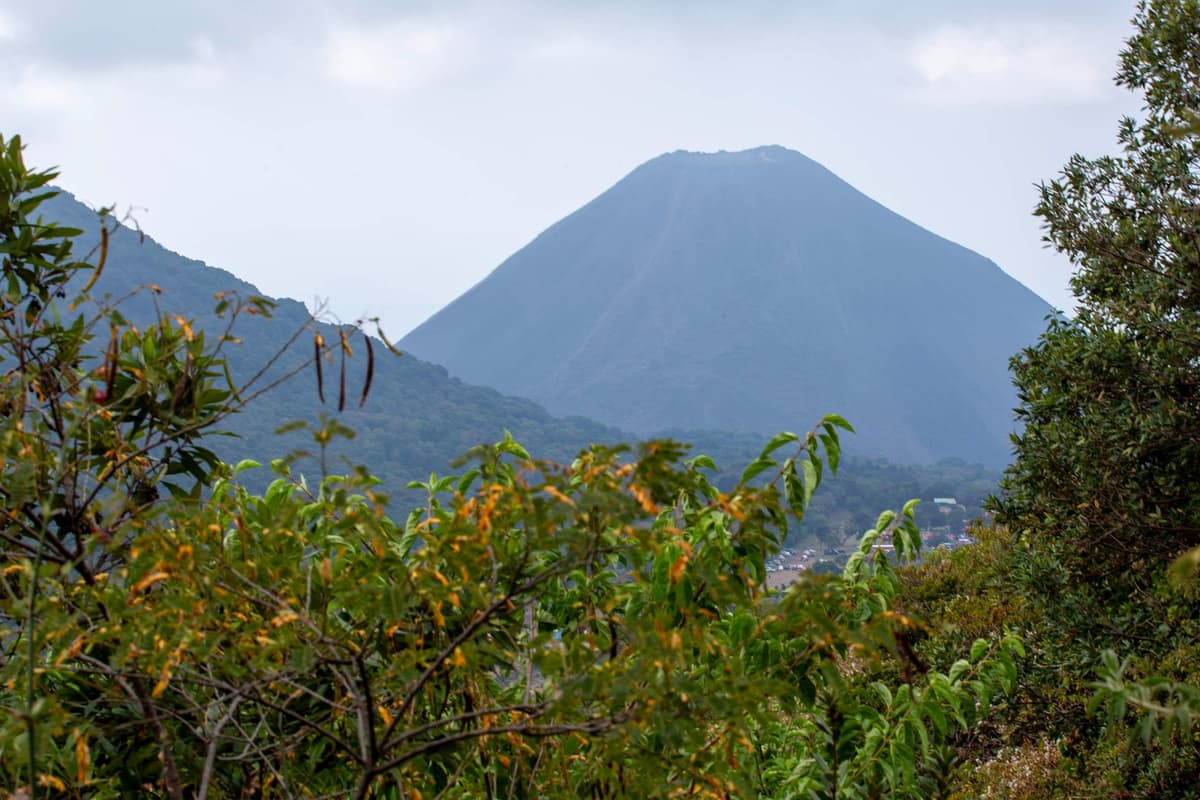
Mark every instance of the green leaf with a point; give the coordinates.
(933, 712)
(777, 441)
(807, 690)
(464, 483)
(833, 451)
(508, 445)
(303, 658)
(836, 420)
(793, 487)
(812, 477)
(411, 527)
(756, 468)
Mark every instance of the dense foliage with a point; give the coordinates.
(1106, 481)
(1103, 496)
(533, 629)
(1108, 466)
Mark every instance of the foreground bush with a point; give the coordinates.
(599, 628)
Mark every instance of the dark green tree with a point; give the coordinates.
(1107, 469)
(1104, 492)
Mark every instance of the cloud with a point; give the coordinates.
(38, 90)
(9, 28)
(570, 46)
(1009, 64)
(80, 35)
(401, 54)
(59, 91)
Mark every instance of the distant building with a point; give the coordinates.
(946, 504)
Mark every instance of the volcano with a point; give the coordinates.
(749, 291)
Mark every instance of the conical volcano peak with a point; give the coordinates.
(765, 156)
(755, 155)
(751, 290)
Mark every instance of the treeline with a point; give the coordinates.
(850, 505)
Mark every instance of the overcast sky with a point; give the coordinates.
(388, 155)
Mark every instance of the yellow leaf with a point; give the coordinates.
(676, 571)
(148, 581)
(83, 758)
(437, 615)
(51, 782)
(559, 496)
(284, 617)
(458, 659)
(187, 329)
(643, 498)
(71, 651)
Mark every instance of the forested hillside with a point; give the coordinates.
(420, 419)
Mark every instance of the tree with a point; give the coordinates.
(102, 432)
(1107, 468)
(1105, 487)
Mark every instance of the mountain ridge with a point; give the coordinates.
(418, 417)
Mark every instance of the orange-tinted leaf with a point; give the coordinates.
(676, 571)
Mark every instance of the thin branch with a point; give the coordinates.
(593, 727)
(480, 619)
(210, 755)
